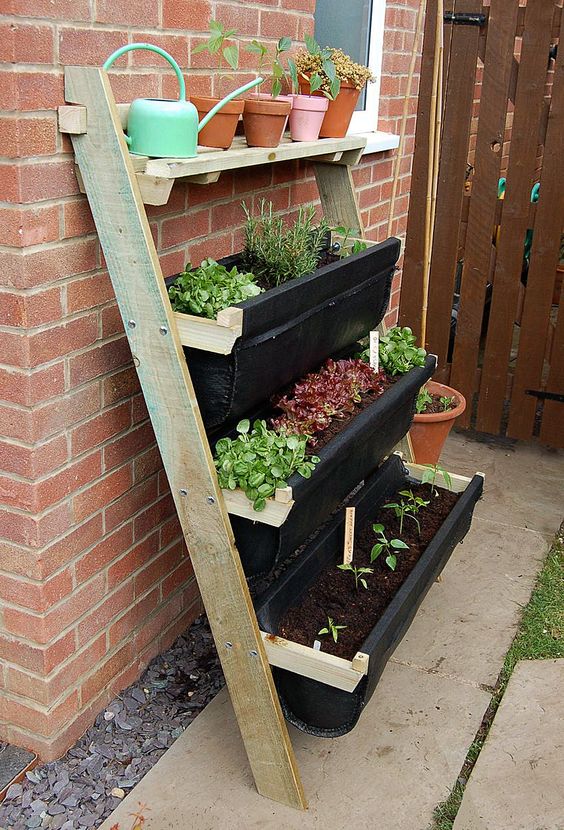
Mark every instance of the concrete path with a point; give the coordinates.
(518, 780)
(412, 739)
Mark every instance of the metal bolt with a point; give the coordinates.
(253, 653)
(210, 500)
(183, 491)
(228, 645)
(163, 330)
(131, 324)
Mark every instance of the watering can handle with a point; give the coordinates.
(149, 48)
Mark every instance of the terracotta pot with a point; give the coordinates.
(220, 131)
(308, 112)
(265, 119)
(428, 433)
(339, 112)
(558, 284)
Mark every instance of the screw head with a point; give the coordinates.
(183, 491)
(131, 324)
(163, 330)
(210, 500)
(228, 645)
(253, 653)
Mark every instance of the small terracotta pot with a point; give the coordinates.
(429, 432)
(558, 284)
(308, 112)
(339, 112)
(220, 131)
(265, 119)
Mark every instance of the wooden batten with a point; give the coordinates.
(210, 335)
(317, 665)
(459, 483)
(274, 514)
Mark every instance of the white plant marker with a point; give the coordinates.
(349, 535)
(374, 345)
(317, 645)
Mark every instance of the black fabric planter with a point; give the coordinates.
(291, 329)
(323, 710)
(344, 463)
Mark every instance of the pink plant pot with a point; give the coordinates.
(307, 117)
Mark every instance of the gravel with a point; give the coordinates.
(125, 741)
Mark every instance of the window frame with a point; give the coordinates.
(366, 120)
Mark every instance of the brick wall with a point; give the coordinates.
(94, 577)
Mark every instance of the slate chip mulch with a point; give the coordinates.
(125, 741)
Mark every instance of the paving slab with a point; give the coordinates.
(524, 482)
(389, 772)
(467, 622)
(518, 780)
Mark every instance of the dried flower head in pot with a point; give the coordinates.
(347, 70)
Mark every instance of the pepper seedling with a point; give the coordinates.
(409, 508)
(332, 629)
(388, 546)
(430, 477)
(357, 573)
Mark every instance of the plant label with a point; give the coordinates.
(317, 645)
(374, 356)
(349, 535)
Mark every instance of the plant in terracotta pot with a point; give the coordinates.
(221, 129)
(266, 114)
(352, 78)
(310, 107)
(437, 408)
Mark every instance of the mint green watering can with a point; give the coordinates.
(161, 127)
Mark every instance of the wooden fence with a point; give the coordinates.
(503, 118)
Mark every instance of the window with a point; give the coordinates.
(357, 27)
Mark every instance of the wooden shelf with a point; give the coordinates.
(274, 514)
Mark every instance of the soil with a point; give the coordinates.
(436, 406)
(334, 594)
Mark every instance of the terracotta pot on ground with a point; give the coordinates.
(339, 112)
(220, 131)
(307, 116)
(265, 119)
(429, 432)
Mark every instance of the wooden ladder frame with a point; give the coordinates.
(116, 191)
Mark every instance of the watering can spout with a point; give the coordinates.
(226, 100)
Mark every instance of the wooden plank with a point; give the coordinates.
(140, 290)
(274, 514)
(338, 196)
(411, 297)
(204, 334)
(529, 97)
(461, 62)
(154, 190)
(72, 120)
(552, 424)
(241, 156)
(459, 483)
(318, 665)
(544, 256)
(489, 144)
(231, 318)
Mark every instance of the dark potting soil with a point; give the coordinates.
(436, 405)
(334, 594)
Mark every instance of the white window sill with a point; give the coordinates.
(379, 142)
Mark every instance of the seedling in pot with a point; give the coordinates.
(209, 288)
(388, 547)
(423, 400)
(430, 477)
(447, 402)
(323, 78)
(357, 573)
(409, 508)
(331, 629)
(277, 71)
(217, 44)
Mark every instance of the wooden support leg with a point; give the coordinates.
(122, 225)
(338, 197)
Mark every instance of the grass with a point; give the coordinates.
(540, 637)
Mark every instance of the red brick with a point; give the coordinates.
(156, 624)
(125, 626)
(241, 18)
(106, 672)
(65, 549)
(59, 341)
(222, 189)
(255, 178)
(146, 464)
(128, 87)
(23, 137)
(172, 263)
(128, 446)
(178, 577)
(41, 660)
(62, 484)
(175, 45)
(43, 629)
(36, 596)
(131, 503)
(111, 321)
(42, 307)
(62, 9)
(44, 722)
(99, 429)
(64, 413)
(135, 13)
(154, 571)
(103, 553)
(153, 516)
(136, 558)
(120, 385)
(180, 230)
(21, 227)
(299, 5)
(101, 617)
(99, 361)
(90, 46)
(102, 493)
(187, 14)
(37, 181)
(77, 218)
(170, 531)
(276, 24)
(21, 43)
(32, 462)
(138, 409)
(34, 531)
(49, 265)
(89, 292)
(21, 90)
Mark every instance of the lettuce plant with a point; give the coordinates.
(397, 351)
(332, 392)
(210, 288)
(260, 460)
